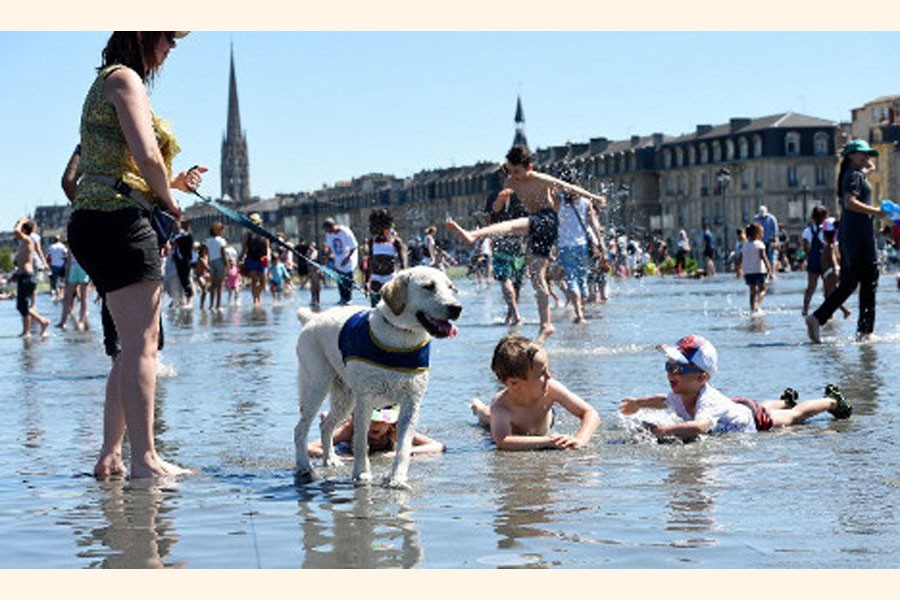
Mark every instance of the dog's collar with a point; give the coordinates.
(357, 342)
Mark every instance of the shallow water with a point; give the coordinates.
(822, 495)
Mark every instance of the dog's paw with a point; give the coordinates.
(304, 477)
(331, 462)
(363, 479)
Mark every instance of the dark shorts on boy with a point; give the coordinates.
(25, 286)
(116, 248)
(761, 415)
(755, 279)
(543, 229)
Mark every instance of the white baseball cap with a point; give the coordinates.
(693, 350)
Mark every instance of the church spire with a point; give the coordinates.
(520, 138)
(235, 161)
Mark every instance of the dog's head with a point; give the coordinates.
(422, 296)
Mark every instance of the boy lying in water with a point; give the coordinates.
(703, 409)
(521, 414)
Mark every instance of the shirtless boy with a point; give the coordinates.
(520, 416)
(25, 280)
(538, 193)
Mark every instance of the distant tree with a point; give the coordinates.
(6, 259)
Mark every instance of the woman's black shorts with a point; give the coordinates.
(116, 249)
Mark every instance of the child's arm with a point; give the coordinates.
(573, 403)
(422, 444)
(765, 260)
(502, 434)
(629, 406)
(686, 430)
(569, 187)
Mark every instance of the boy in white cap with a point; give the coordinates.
(690, 364)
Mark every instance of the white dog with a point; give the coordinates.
(367, 359)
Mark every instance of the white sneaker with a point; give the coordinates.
(812, 328)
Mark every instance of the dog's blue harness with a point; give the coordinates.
(356, 342)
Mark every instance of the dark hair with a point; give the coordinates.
(513, 357)
(379, 220)
(753, 230)
(519, 156)
(845, 164)
(134, 49)
(819, 213)
(27, 227)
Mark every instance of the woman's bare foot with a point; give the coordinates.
(158, 468)
(546, 331)
(464, 234)
(108, 466)
(847, 312)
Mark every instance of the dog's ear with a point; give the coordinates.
(394, 293)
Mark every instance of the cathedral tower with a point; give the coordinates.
(235, 161)
(520, 124)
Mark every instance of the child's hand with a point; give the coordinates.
(628, 406)
(564, 442)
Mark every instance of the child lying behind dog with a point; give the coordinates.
(382, 436)
(520, 416)
(703, 409)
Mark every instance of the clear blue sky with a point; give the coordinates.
(321, 107)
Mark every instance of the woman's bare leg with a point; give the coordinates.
(135, 310)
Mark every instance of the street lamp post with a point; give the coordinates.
(804, 190)
(724, 179)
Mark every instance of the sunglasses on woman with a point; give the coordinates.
(681, 369)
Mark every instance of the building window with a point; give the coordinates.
(667, 158)
(792, 143)
(792, 176)
(692, 156)
(744, 147)
(704, 154)
(681, 189)
(704, 184)
(821, 175)
(757, 146)
(759, 177)
(679, 157)
(745, 179)
(729, 150)
(820, 144)
(717, 151)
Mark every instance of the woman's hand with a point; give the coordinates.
(190, 180)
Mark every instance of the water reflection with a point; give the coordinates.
(692, 500)
(139, 530)
(349, 527)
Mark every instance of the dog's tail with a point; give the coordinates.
(305, 315)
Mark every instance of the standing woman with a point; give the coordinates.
(859, 262)
(126, 159)
(578, 238)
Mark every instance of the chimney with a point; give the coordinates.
(738, 123)
(657, 139)
(635, 140)
(703, 129)
(598, 145)
(578, 149)
(558, 153)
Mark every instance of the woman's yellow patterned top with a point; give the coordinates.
(105, 152)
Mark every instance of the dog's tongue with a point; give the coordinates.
(453, 331)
